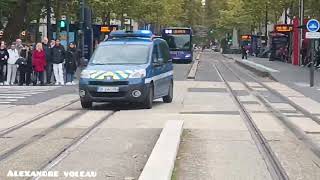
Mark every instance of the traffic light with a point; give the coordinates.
(62, 25)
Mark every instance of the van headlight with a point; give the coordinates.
(188, 56)
(141, 73)
(86, 74)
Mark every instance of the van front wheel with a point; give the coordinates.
(168, 98)
(149, 99)
(86, 104)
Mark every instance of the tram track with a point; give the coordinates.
(36, 118)
(55, 130)
(275, 168)
(298, 132)
(63, 153)
(39, 135)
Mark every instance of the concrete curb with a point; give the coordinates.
(198, 56)
(256, 70)
(161, 162)
(193, 70)
(194, 67)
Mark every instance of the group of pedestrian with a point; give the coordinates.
(32, 64)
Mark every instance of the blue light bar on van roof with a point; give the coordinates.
(125, 34)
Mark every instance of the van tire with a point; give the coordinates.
(168, 98)
(149, 99)
(86, 104)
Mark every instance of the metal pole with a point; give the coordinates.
(266, 23)
(312, 63)
(49, 29)
(82, 4)
(301, 29)
(68, 29)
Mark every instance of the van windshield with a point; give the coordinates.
(121, 54)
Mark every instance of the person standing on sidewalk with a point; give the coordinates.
(22, 66)
(39, 63)
(58, 58)
(19, 45)
(72, 59)
(317, 64)
(244, 52)
(25, 66)
(49, 67)
(12, 67)
(4, 56)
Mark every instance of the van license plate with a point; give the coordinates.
(108, 89)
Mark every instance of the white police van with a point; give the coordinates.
(128, 67)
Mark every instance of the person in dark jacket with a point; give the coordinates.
(58, 58)
(72, 59)
(49, 68)
(25, 66)
(22, 64)
(317, 64)
(4, 55)
(244, 52)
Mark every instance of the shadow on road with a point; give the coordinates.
(117, 106)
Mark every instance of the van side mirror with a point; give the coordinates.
(161, 60)
(156, 64)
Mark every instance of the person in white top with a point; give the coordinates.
(12, 67)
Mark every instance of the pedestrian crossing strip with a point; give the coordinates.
(14, 94)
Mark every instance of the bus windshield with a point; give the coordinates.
(178, 42)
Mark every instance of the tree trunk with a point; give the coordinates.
(16, 21)
(122, 21)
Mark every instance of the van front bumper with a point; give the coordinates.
(89, 93)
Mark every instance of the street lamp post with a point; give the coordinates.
(266, 22)
(49, 29)
(301, 5)
(82, 5)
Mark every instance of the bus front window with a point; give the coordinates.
(179, 42)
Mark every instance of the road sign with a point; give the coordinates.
(313, 35)
(313, 25)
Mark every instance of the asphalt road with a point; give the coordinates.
(46, 129)
(35, 130)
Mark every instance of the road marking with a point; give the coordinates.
(4, 102)
(2, 94)
(12, 97)
(12, 94)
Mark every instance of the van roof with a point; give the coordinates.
(128, 41)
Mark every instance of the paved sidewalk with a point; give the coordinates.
(293, 76)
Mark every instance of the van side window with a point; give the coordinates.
(160, 51)
(155, 53)
(165, 52)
